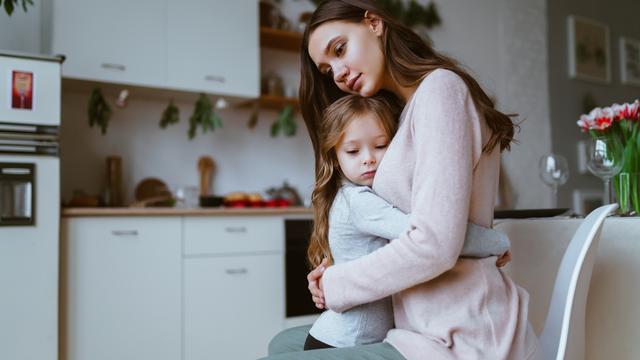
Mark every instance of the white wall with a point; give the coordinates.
(524, 89)
(21, 31)
(246, 160)
(503, 42)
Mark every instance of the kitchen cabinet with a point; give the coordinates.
(192, 45)
(233, 286)
(121, 288)
(233, 305)
(171, 287)
(117, 41)
(213, 47)
(232, 235)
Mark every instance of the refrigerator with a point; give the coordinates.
(29, 205)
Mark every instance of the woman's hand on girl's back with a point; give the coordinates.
(315, 284)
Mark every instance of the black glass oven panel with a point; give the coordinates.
(298, 300)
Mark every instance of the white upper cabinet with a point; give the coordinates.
(118, 41)
(213, 47)
(192, 45)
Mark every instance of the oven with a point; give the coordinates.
(298, 299)
(17, 194)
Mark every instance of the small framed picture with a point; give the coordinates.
(585, 201)
(630, 61)
(22, 90)
(589, 55)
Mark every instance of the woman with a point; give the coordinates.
(442, 167)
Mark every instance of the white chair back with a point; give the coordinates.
(563, 335)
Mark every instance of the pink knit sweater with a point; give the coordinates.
(445, 307)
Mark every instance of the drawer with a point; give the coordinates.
(127, 229)
(232, 234)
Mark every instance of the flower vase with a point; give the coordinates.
(627, 189)
(621, 125)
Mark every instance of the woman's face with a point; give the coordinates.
(351, 54)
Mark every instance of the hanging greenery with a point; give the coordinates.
(416, 14)
(99, 111)
(170, 115)
(411, 14)
(203, 116)
(285, 123)
(9, 5)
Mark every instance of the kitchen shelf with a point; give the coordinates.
(277, 102)
(280, 39)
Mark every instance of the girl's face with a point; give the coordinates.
(351, 54)
(361, 149)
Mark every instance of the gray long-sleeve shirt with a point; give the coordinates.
(359, 223)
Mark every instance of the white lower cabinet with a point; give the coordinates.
(171, 288)
(233, 305)
(121, 288)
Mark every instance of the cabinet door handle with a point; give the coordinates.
(125, 232)
(215, 78)
(236, 229)
(113, 66)
(239, 271)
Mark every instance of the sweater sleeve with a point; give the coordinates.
(443, 120)
(373, 215)
(481, 242)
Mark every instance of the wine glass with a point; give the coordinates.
(554, 172)
(606, 157)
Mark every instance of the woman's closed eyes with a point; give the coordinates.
(338, 51)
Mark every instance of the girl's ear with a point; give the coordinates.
(374, 22)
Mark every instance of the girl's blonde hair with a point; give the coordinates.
(335, 120)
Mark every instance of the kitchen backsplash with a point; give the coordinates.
(246, 159)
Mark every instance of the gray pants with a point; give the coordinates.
(288, 345)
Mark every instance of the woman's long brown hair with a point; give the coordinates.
(408, 58)
(329, 177)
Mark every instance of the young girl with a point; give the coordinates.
(352, 221)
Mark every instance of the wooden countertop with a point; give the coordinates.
(160, 211)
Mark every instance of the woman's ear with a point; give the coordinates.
(374, 22)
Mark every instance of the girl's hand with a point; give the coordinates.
(504, 259)
(315, 284)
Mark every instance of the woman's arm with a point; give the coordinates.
(445, 128)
